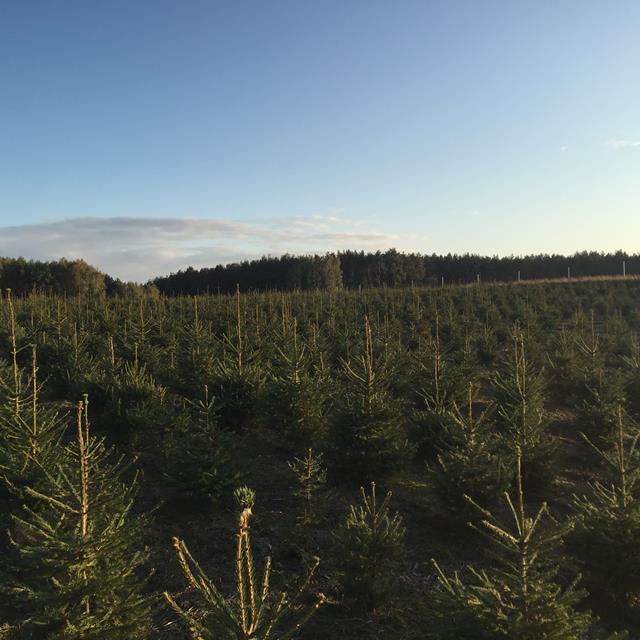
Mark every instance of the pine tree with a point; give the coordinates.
(15, 383)
(196, 361)
(563, 361)
(254, 613)
(518, 596)
(133, 400)
(519, 390)
(596, 409)
(238, 378)
(200, 455)
(470, 461)
(606, 538)
(591, 360)
(74, 369)
(599, 390)
(311, 477)
(436, 391)
(631, 374)
(432, 368)
(368, 438)
(369, 550)
(11, 382)
(75, 556)
(30, 432)
(296, 401)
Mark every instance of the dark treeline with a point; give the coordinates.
(353, 269)
(286, 273)
(347, 269)
(62, 277)
(59, 277)
(466, 268)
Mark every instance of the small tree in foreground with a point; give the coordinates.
(518, 596)
(606, 538)
(255, 612)
(73, 570)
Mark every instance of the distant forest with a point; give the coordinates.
(353, 269)
(62, 277)
(347, 269)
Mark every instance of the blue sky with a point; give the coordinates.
(149, 135)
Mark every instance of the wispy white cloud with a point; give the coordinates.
(617, 144)
(564, 148)
(138, 248)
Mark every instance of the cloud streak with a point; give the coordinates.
(139, 248)
(617, 144)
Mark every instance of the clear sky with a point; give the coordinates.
(146, 135)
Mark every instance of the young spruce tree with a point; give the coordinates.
(368, 437)
(470, 462)
(519, 390)
(200, 456)
(75, 556)
(238, 378)
(311, 477)
(606, 538)
(296, 400)
(30, 432)
(369, 550)
(437, 390)
(518, 596)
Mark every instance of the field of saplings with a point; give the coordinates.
(449, 464)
